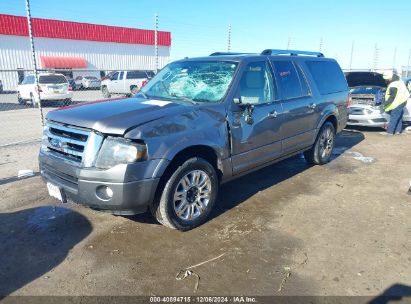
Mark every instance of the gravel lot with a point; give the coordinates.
(289, 229)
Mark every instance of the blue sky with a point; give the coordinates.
(200, 27)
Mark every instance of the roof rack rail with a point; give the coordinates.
(291, 53)
(227, 53)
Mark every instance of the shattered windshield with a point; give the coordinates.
(193, 81)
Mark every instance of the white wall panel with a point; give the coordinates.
(15, 54)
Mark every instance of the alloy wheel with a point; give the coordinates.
(326, 143)
(192, 195)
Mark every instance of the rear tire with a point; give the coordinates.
(134, 90)
(66, 102)
(20, 100)
(106, 93)
(34, 103)
(188, 196)
(321, 152)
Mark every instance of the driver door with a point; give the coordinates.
(256, 121)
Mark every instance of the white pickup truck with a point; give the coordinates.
(125, 82)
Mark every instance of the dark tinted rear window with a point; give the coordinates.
(328, 76)
(136, 75)
(52, 79)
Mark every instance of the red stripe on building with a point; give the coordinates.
(48, 28)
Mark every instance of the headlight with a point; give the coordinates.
(116, 151)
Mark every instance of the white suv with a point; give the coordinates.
(125, 82)
(52, 87)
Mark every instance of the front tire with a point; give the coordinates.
(188, 196)
(106, 93)
(322, 150)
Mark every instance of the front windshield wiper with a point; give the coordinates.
(185, 98)
(144, 95)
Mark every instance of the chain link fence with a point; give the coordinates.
(20, 119)
(76, 63)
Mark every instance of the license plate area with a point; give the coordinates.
(56, 192)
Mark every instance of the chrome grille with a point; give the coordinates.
(365, 99)
(72, 143)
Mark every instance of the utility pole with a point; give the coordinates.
(289, 42)
(321, 44)
(156, 42)
(376, 57)
(352, 53)
(34, 62)
(394, 59)
(229, 38)
(408, 63)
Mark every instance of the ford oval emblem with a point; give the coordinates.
(56, 143)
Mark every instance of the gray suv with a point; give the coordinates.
(197, 124)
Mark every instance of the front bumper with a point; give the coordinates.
(367, 116)
(133, 189)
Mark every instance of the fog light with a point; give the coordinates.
(104, 193)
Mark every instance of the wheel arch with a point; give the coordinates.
(205, 152)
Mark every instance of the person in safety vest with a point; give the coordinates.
(396, 98)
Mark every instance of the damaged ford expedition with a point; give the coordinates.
(198, 123)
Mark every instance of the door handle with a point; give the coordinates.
(312, 106)
(273, 114)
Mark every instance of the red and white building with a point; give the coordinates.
(76, 46)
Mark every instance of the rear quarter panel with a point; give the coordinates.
(334, 104)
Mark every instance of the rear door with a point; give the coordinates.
(299, 106)
(120, 85)
(255, 129)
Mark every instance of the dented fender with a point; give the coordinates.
(203, 125)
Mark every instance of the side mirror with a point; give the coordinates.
(248, 109)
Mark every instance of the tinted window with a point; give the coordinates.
(114, 76)
(136, 75)
(121, 76)
(28, 80)
(328, 76)
(51, 79)
(256, 84)
(288, 79)
(305, 90)
(91, 78)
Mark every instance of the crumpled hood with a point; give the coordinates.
(365, 79)
(116, 116)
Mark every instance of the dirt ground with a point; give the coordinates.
(290, 229)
